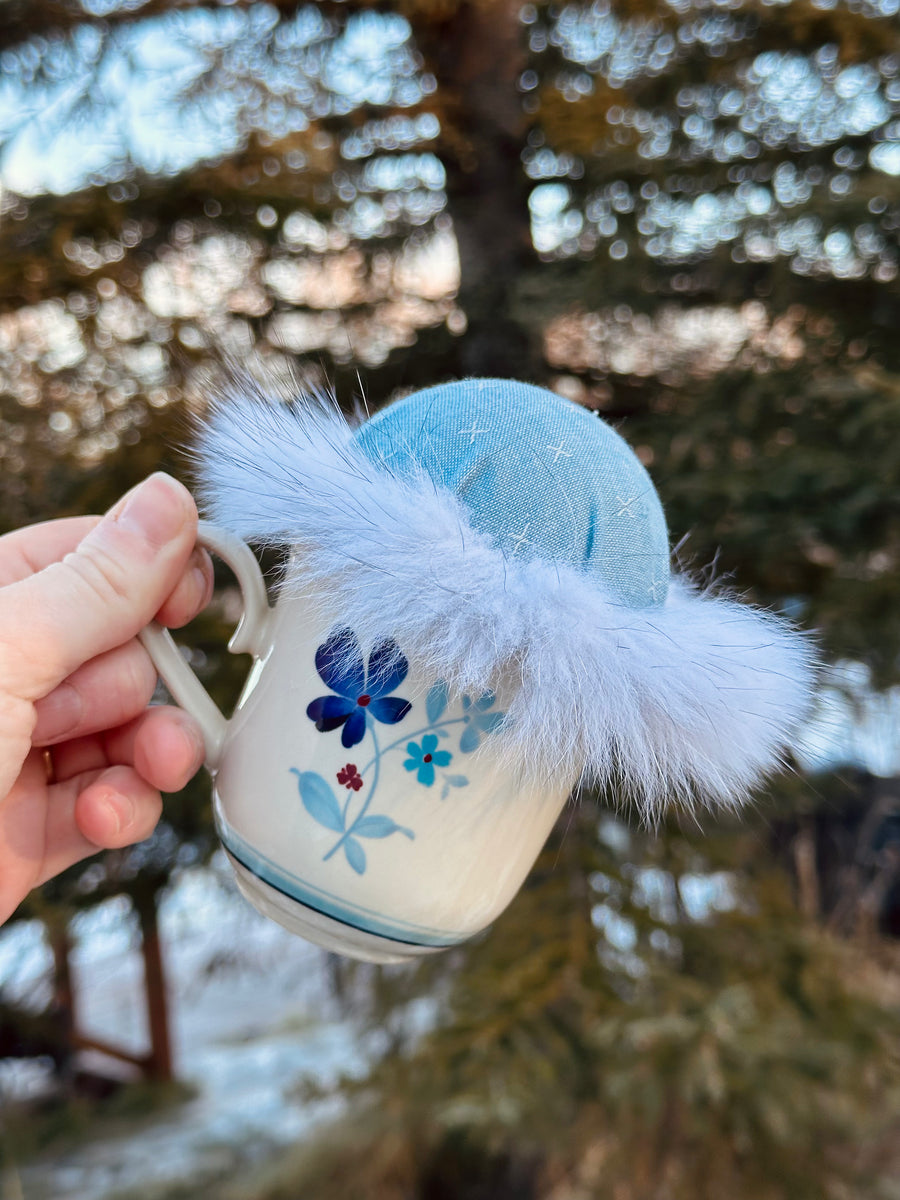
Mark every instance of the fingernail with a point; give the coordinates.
(156, 509)
(119, 812)
(200, 586)
(201, 578)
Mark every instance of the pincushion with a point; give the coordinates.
(509, 539)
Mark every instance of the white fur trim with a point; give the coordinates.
(693, 701)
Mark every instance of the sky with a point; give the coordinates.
(127, 99)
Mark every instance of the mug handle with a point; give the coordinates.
(248, 638)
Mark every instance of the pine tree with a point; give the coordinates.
(684, 215)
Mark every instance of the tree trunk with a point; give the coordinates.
(477, 56)
(804, 850)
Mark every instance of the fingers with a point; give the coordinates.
(163, 744)
(102, 593)
(117, 808)
(103, 694)
(26, 551)
(22, 829)
(108, 790)
(192, 593)
(100, 810)
(118, 685)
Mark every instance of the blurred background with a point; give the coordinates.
(684, 214)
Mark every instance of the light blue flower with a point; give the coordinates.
(423, 759)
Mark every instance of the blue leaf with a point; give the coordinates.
(356, 856)
(485, 700)
(374, 827)
(436, 701)
(446, 791)
(457, 780)
(379, 827)
(469, 740)
(318, 800)
(489, 722)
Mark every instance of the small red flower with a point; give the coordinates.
(350, 777)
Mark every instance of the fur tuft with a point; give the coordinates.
(694, 701)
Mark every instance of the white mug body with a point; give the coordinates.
(408, 840)
(361, 805)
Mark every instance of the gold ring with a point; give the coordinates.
(49, 769)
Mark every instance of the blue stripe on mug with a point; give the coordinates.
(327, 904)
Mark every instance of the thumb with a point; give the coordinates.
(101, 594)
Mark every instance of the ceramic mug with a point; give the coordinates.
(360, 805)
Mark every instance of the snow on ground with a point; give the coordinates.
(250, 1017)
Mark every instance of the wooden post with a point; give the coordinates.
(63, 992)
(63, 1003)
(159, 1060)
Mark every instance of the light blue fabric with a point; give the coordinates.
(542, 476)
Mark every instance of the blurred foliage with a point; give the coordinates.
(681, 213)
(668, 1029)
(61, 1123)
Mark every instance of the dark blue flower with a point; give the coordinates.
(359, 692)
(423, 759)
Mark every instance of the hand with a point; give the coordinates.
(82, 758)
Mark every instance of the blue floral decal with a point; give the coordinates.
(478, 720)
(423, 759)
(319, 801)
(360, 699)
(361, 693)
